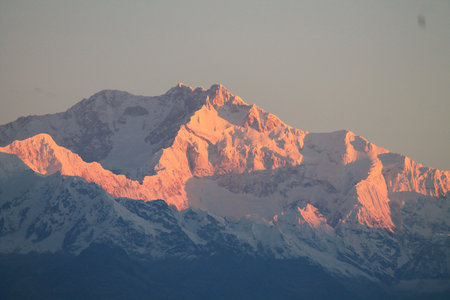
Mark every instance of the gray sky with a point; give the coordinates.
(378, 68)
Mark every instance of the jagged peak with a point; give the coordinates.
(180, 87)
(40, 138)
(260, 120)
(39, 152)
(218, 88)
(219, 95)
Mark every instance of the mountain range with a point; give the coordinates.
(199, 175)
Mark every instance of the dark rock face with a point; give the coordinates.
(94, 140)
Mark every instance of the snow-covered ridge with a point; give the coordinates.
(227, 149)
(63, 213)
(234, 172)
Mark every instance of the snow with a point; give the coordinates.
(207, 195)
(332, 197)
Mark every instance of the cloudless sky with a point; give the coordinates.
(378, 68)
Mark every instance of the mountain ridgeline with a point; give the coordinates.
(199, 175)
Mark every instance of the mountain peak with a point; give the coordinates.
(183, 89)
(218, 96)
(217, 87)
(108, 94)
(235, 172)
(155, 145)
(38, 152)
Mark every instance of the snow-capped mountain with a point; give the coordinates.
(233, 176)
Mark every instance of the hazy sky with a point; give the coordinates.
(378, 68)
